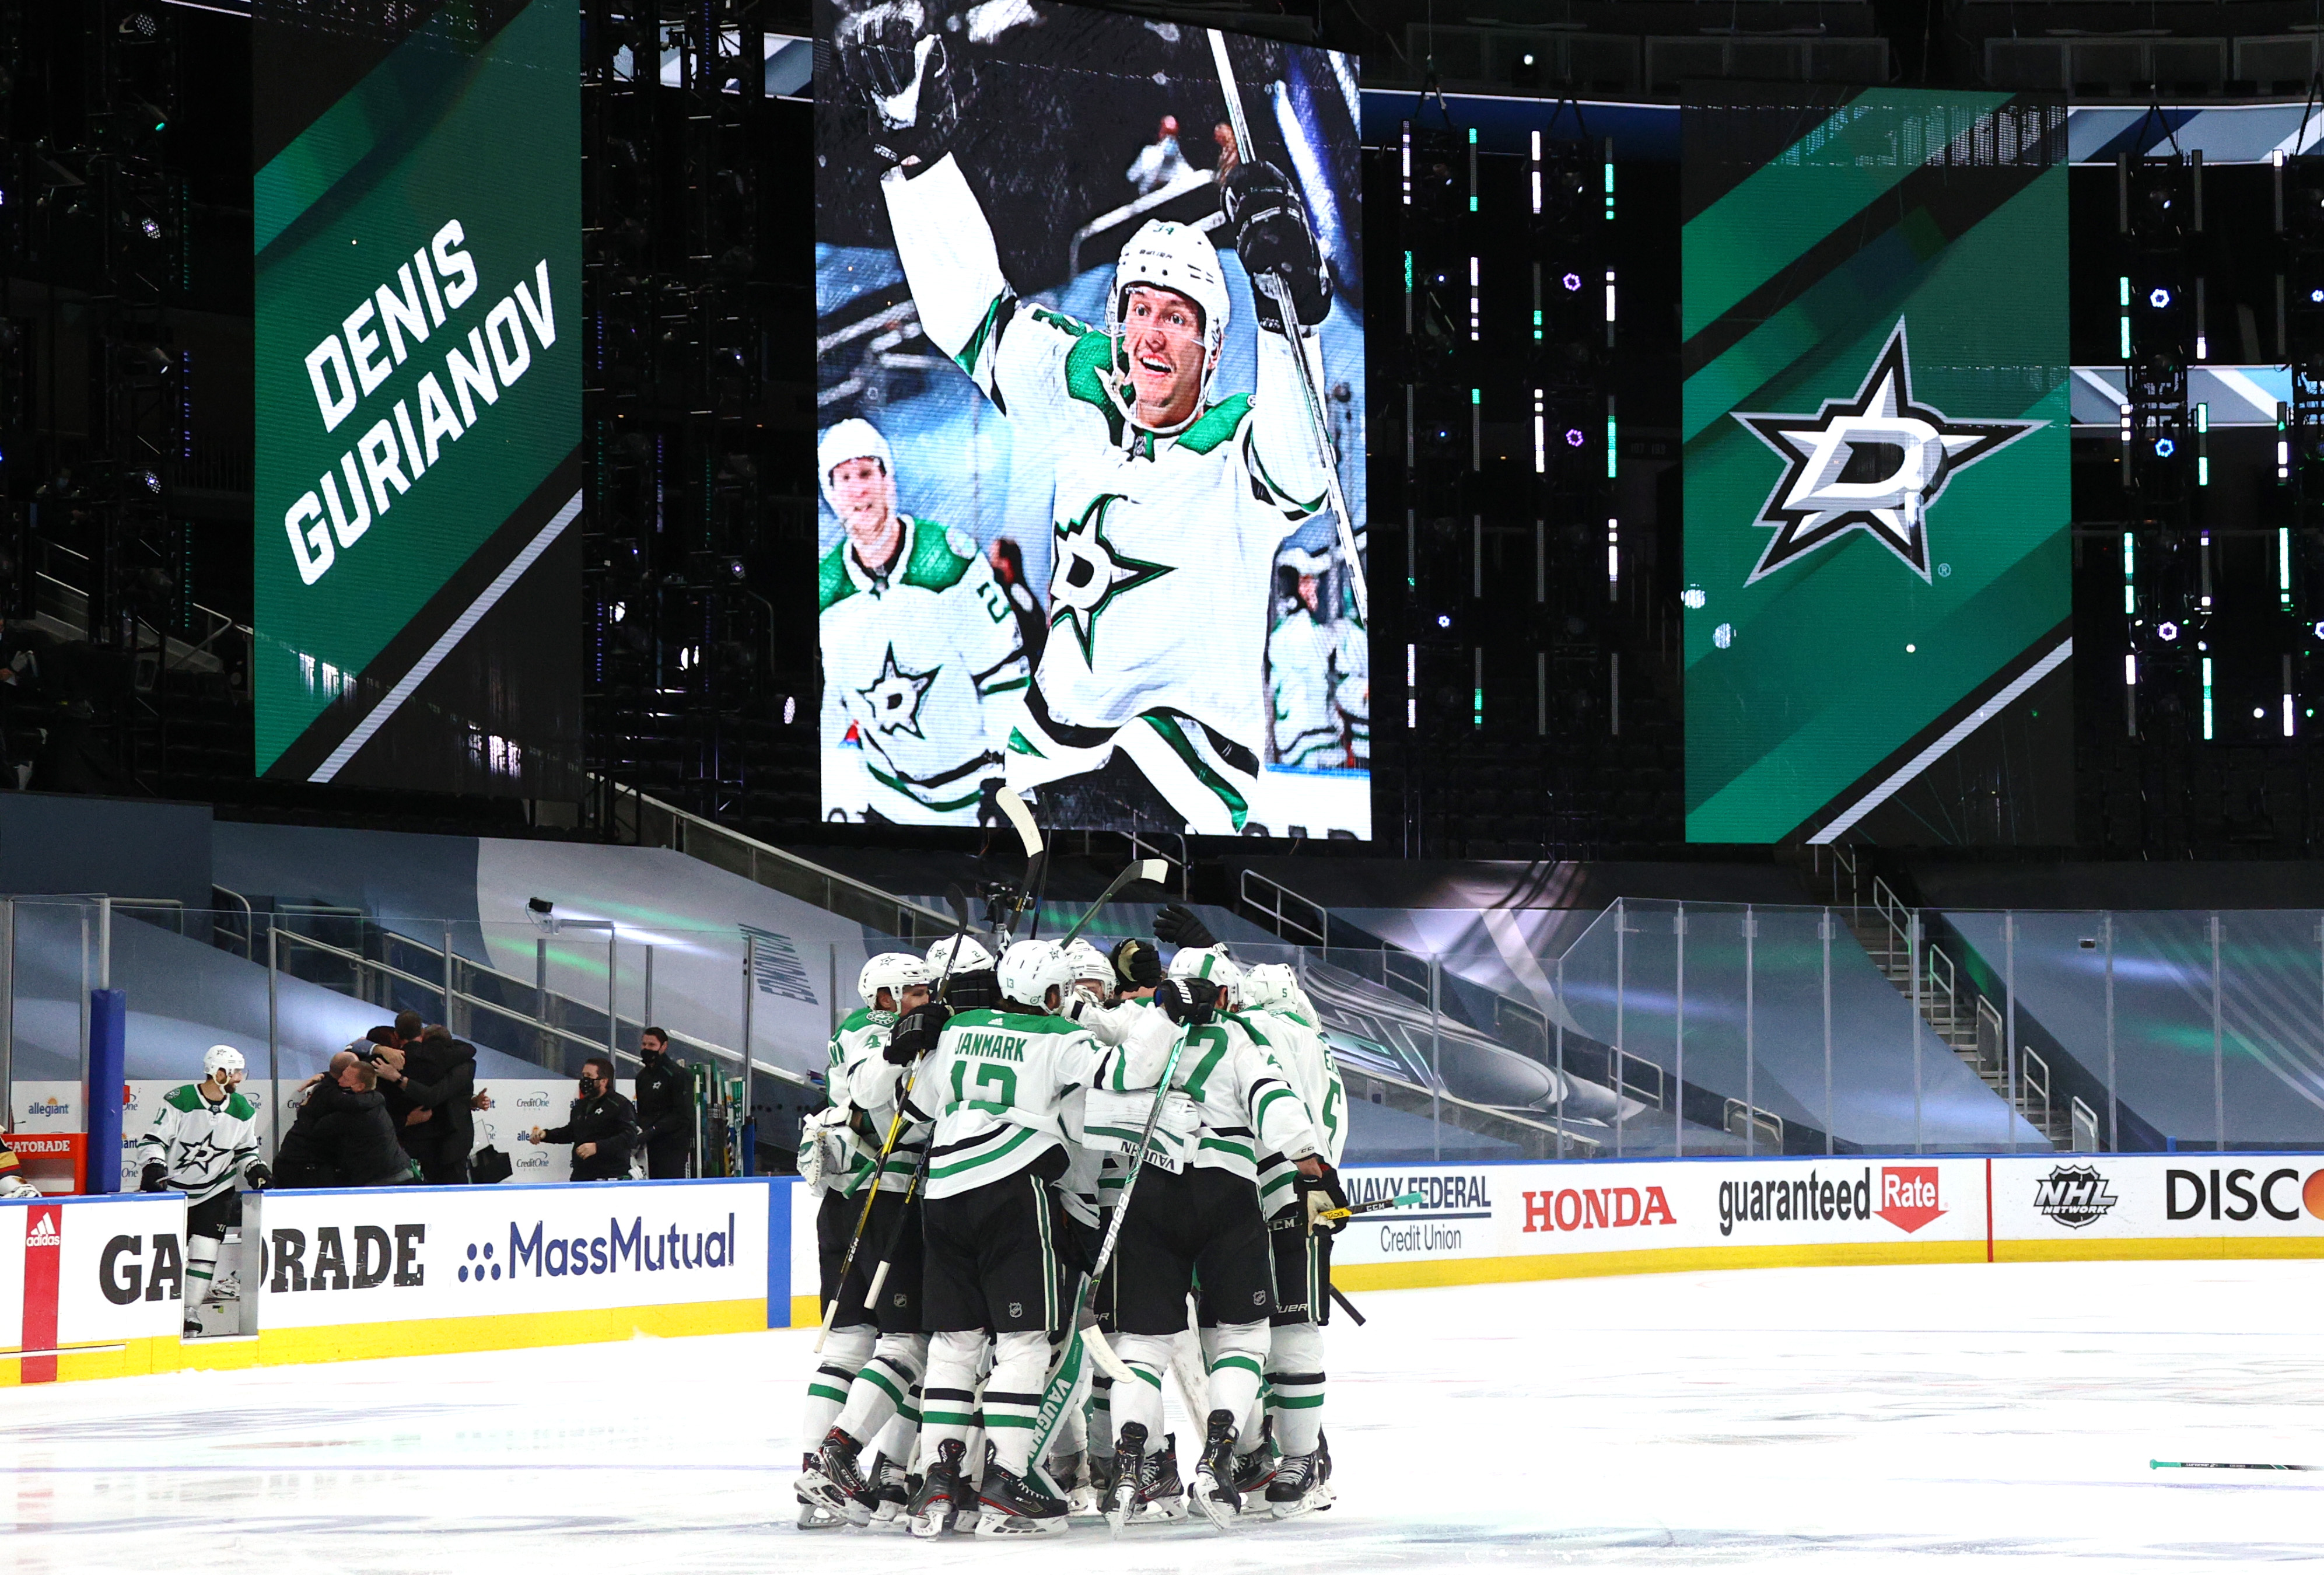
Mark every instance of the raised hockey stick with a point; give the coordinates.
(1293, 1222)
(1308, 353)
(958, 899)
(1155, 871)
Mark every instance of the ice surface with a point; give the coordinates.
(1976, 1417)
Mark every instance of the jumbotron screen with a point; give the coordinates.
(1877, 611)
(417, 263)
(1090, 390)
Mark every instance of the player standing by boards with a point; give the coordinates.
(203, 1141)
(921, 653)
(995, 1082)
(1169, 502)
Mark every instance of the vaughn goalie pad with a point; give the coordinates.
(1116, 1123)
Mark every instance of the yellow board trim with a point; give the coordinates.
(1568, 1265)
(807, 1312)
(2157, 1247)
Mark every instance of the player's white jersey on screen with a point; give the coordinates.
(926, 663)
(1164, 544)
(1316, 672)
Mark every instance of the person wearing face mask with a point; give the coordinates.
(603, 1126)
(665, 1091)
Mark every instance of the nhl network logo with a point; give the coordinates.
(1876, 463)
(2073, 1195)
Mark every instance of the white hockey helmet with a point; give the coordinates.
(891, 971)
(1089, 963)
(1211, 963)
(220, 1061)
(1169, 255)
(854, 439)
(1270, 987)
(973, 956)
(1029, 970)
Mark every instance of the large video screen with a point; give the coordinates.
(1876, 602)
(1091, 400)
(416, 240)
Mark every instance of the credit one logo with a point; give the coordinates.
(1596, 1209)
(2240, 1195)
(1907, 1199)
(2073, 1195)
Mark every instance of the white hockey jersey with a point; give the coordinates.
(1318, 682)
(1165, 546)
(204, 1148)
(860, 1082)
(926, 660)
(1245, 1106)
(1303, 1057)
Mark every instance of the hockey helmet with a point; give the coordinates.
(1270, 987)
(1091, 967)
(972, 956)
(891, 971)
(854, 439)
(1029, 970)
(1211, 963)
(1166, 255)
(220, 1062)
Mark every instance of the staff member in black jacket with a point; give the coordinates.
(349, 1140)
(665, 1107)
(603, 1126)
(440, 1080)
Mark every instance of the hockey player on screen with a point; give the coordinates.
(921, 653)
(1317, 671)
(205, 1141)
(1170, 500)
(872, 1360)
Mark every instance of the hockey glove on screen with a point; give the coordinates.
(1181, 1004)
(892, 62)
(1136, 964)
(1269, 220)
(1179, 926)
(915, 1033)
(153, 1178)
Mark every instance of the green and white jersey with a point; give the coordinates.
(1247, 1107)
(203, 1147)
(861, 1082)
(1164, 544)
(1317, 680)
(998, 1082)
(1305, 1058)
(925, 659)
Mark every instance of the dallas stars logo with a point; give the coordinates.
(1875, 464)
(895, 696)
(1089, 574)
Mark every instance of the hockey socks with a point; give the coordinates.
(201, 1265)
(1148, 1356)
(1012, 1397)
(880, 1389)
(843, 1355)
(1236, 1356)
(1295, 1373)
(948, 1394)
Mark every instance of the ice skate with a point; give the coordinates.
(227, 1287)
(839, 1484)
(930, 1514)
(892, 1493)
(815, 1511)
(1088, 1496)
(1300, 1486)
(1256, 1469)
(1012, 1506)
(1215, 1474)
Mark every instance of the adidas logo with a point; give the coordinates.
(43, 1232)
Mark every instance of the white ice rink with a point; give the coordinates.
(1971, 1417)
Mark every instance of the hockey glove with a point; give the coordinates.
(1269, 220)
(1136, 964)
(977, 989)
(1183, 1005)
(153, 1178)
(915, 1033)
(1317, 1192)
(893, 64)
(1178, 927)
(259, 1177)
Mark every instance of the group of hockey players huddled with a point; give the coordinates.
(995, 1126)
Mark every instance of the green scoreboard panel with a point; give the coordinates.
(417, 249)
(1877, 598)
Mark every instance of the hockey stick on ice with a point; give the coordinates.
(2226, 1465)
(958, 899)
(1155, 871)
(1308, 353)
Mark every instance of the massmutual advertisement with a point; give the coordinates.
(417, 244)
(1877, 627)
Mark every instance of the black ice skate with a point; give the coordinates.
(814, 1513)
(1215, 1474)
(1090, 1496)
(1012, 1506)
(1256, 1469)
(930, 1514)
(1301, 1483)
(844, 1489)
(891, 1493)
(1146, 1485)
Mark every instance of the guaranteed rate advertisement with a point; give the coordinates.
(417, 291)
(1091, 393)
(1876, 597)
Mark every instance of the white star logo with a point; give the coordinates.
(1875, 464)
(895, 696)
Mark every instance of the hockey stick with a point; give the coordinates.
(1037, 857)
(1295, 1223)
(2226, 1465)
(1311, 370)
(1155, 871)
(1347, 1306)
(959, 902)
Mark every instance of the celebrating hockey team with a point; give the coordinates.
(1064, 1157)
(1163, 445)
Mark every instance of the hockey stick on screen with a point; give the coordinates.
(1309, 353)
(958, 899)
(1155, 871)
